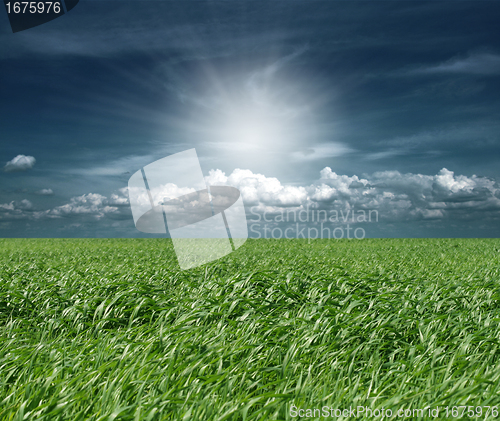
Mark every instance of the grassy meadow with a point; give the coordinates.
(111, 329)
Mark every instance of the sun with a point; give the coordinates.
(253, 129)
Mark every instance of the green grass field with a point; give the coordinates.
(113, 330)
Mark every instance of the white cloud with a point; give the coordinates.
(7, 206)
(93, 205)
(259, 189)
(20, 163)
(117, 167)
(45, 192)
(25, 204)
(324, 150)
(16, 210)
(90, 206)
(394, 195)
(121, 198)
(478, 63)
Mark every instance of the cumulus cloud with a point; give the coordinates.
(88, 204)
(259, 189)
(20, 163)
(16, 210)
(394, 195)
(120, 198)
(91, 206)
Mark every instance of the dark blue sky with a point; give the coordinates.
(403, 96)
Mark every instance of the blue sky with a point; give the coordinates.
(389, 106)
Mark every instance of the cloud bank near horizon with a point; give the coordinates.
(444, 198)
